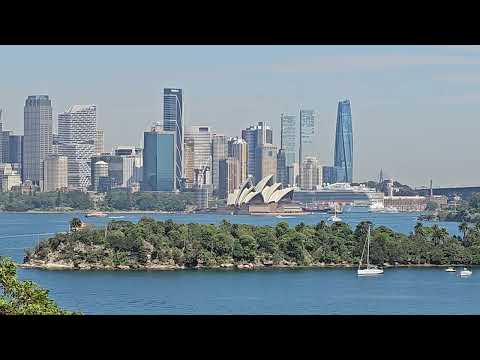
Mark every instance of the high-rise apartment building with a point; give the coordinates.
(266, 161)
(255, 135)
(219, 152)
(202, 153)
(343, 159)
(288, 137)
(99, 141)
(238, 149)
(173, 120)
(159, 160)
(77, 130)
(55, 173)
(311, 177)
(282, 176)
(37, 140)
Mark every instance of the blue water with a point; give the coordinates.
(292, 291)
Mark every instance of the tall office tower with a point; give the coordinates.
(282, 176)
(173, 120)
(343, 160)
(99, 141)
(266, 161)
(1, 138)
(55, 143)
(188, 150)
(202, 153)
(55, 173)
(5, 141)
(292, 174)
(255, 135)
(219, 152)
(308, 132)
(37, 140)
(288, 137)
(229, 176)
(159, 160)
(132, 164)
(15, 150)
(328, 174)
(77, 129)
(238, 149)
(310, 174)
(100, 171)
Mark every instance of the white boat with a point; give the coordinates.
(370, 269)
(450, 269)
(96, 214)
(116, 217)
(465, 272)
(334, 217)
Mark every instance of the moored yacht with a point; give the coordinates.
(370, 269)
(450, 269)
(465, 272)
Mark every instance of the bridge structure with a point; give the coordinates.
(465, 192)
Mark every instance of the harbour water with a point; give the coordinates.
(273, 291)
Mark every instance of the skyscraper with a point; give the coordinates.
(5, 141)
(238, 149)
(308, 132)
(229, 176)
(159, 160)
(328, 174)
(256, 135)
(343, 160)
(77, 130)
(173, 121)
(188, 150)
(202, 153)
(37, 141)
(219, 152)
(55, 173)
(266, 161)
(99, 141)
(1, 137)
(310, 173)
(282, 176)
(15, 143)
(288, 138)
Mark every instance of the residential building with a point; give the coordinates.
(37, 140)
(55, 173)
(288, 137)
(343, 159)
(77, 129)
(173, 120)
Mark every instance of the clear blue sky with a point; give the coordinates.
(414, 108)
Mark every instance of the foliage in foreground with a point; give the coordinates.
(150, 242)
(23, 297)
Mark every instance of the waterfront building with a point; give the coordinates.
(100, 170)
(343, 159)
(328, 174)
(256, 135)
(202, 153)
(37, 141)
(99, 142)
(77, 129)
(238, 149)
(9, 178)
(55, 170)
(219, 153)
(173, 120)
(406, 203)
(159, 160)
(293, 174)
(266, 160)
(288, 137)
(282, 176)
(310, 174)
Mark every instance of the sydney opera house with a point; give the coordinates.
(264, 197)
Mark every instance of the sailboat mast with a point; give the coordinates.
(368, 248)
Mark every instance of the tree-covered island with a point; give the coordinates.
(151, 244)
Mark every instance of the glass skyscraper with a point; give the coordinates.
(343, 160)
(308, 119)
(255, 136)
(173, 121)
(288, 137)
(159, 168)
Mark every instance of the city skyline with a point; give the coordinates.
(409, 100)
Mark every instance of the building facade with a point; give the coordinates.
(266, 161)
(77, 130)
(255, 135)
(219, 153)
(282, 176)
(100, 142)
(100, 171)
(15, 149)
(288, 137)
(5, 142)
(293, 174)
(310, 174)
(159, 160)
(343, 159)
(238, 149)
(9, 177)
(202, 153)
(229, 176)
(328, 174)
(173, 120)
(55, 170)
(38, 138)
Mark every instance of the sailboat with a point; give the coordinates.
(465, 272)
(371, 269)
(334, 218)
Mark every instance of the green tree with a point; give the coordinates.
(432, 206)
(463, 227)
(75, 224)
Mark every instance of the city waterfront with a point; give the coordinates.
(273, 291)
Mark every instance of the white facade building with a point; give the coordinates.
(100, 141)
(77, 131)
(55, 173)
(8, 177)
(202, 153)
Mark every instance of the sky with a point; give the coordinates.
(415, 109)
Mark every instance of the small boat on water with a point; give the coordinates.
(370, 269)
(284, 217)
(450, 269)
(465, 272)
(116, 217)
(334, 218)
(96, 214)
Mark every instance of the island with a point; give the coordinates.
(166, 245)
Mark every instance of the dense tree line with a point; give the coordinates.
(13, 201)
(122, 200)
(155, 242)
(466, 211)
(23, 297)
